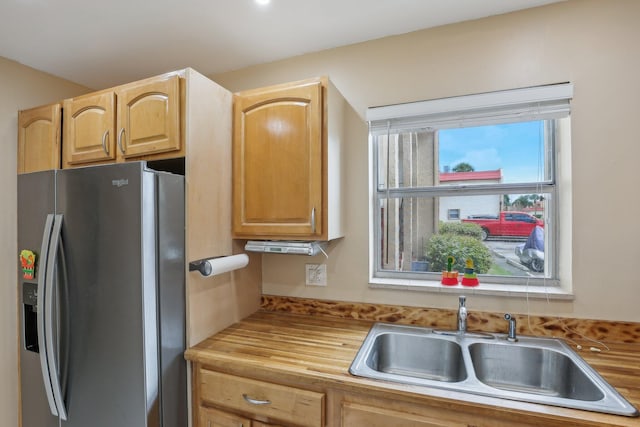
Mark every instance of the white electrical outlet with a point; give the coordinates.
(316, 274)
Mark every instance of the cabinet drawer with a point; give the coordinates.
(285, 404)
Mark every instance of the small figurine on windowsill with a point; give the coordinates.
(450, 277)
(470, 278)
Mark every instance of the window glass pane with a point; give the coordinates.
(406, 225)
(504, 234)
(406, 159)
(494, 154)
(506, 153)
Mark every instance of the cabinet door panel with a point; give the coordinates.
(356, 415)
(89, 133)
(278, 162)
(210, 417)
(39, 138)
(149, 117)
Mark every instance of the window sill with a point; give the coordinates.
(520, 291)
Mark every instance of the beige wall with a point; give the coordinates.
(591, 43)
(20, 87)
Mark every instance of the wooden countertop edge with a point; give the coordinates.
(304, 377)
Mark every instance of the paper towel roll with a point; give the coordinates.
(220, 265)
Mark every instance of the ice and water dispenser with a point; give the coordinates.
(30, 315)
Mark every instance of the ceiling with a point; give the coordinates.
(104, 43)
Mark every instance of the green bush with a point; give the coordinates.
(461, 229)
(461, 247)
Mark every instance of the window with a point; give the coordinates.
(469, 177)
(453, 214)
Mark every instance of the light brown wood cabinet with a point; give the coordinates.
(39, 131)
(365, 411)
(89, 128)
(287, 146)
(354, 414)
(140, 120)
(221, 397)
(210, 417)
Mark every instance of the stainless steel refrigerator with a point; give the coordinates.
(102, 297)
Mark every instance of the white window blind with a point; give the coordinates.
(508, 106)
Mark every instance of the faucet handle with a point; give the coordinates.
(462, 300)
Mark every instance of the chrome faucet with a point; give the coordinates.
(511, 336)
(462, 314)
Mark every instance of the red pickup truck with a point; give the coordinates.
(510, 223)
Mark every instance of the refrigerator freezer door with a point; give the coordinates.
(110, 249)
(36, 200)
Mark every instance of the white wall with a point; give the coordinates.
(20, 88)
(591, 43)
(470, 205)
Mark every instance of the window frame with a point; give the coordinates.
(453, 210)
(549, 185)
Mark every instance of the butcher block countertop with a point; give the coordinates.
(315, 352)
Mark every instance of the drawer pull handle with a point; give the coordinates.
(255, 401)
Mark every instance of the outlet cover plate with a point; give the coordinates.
(316, 274)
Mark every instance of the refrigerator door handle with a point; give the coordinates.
(44, 364)
(52, 259)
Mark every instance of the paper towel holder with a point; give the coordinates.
(208, 266)
(203, 266)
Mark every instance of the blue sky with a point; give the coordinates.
(517, 149)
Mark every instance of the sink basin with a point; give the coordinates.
(532, 370)
(410, 355)
(538, 370)
(417, 356)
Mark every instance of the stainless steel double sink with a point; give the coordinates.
(538, 370)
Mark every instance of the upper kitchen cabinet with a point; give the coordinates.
(287, 144)
(89, 128)
(149, 117)
(140, 120)
(39, 138)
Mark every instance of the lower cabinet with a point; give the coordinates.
(210, 417)
(363, 411)
(225, 400)
(354, 414)
(229, 400)
(260, 424)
